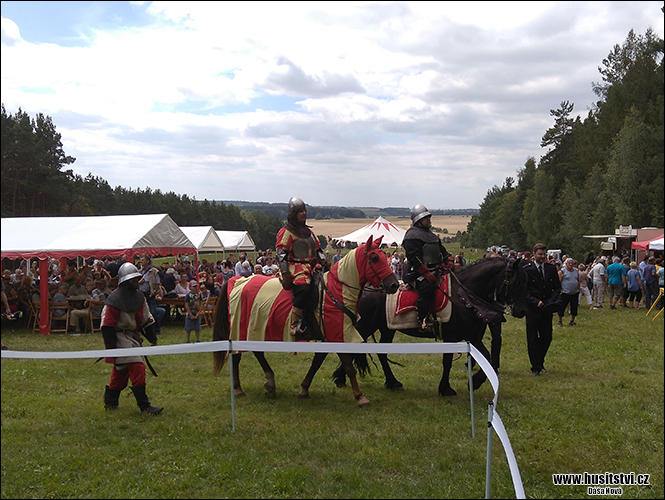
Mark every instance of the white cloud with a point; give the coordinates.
(363, 103)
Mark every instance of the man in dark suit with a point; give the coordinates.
(543, 290)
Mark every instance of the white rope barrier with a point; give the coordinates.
(494, 421)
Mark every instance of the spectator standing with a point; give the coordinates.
(401, 267)
(634, 286)
(597, 275)
(661, 282)
(239, 265)
(650, 280)
(616, 279)
(150, 286)
(570, 290)
(583, 278)
(193, 305)
(82, 314)
(258, 269)
(542, 292)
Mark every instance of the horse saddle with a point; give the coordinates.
(401, 311)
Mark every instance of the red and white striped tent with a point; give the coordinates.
(380, 227)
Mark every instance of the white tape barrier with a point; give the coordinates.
(500, 430)
(243, 345)
(327, 347)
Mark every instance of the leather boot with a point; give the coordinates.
(296, 314)
(111, 397)
(143, 401)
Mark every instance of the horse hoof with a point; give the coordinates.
(448, 391)
(363, 401)
(303, 394)
(395, 387)
(239, 393)
(270, 387)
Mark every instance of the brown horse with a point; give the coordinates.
(257, 309)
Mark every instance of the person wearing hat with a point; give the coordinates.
(298, 254)
(125, 317)
(543, 290)
(193, 305)
(425, 255)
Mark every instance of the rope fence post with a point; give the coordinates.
(488, 465)
(469, 368)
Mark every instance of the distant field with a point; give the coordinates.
(341, 227)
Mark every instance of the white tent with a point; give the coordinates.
(380, 227)
(96, 236)
(656, 244)
(204, 238)
(237, 241)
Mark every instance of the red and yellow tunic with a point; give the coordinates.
(301, 254)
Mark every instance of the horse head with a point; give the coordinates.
(376, 270)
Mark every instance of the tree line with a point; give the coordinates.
(598, 173)
(36, 182)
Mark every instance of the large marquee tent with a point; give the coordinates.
(95, 236)
(380, 227)
(204, 238)
(237, 241)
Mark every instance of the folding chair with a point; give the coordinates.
(36, 311)
(92, 317)
(55, 320)
(209, 310)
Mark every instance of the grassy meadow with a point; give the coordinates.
(598, 409)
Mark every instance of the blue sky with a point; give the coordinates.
(343, 103)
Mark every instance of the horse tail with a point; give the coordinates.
(361, 365)
(221, 329)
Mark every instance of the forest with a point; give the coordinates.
(598, 173)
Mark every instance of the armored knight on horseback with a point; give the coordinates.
(426, 256)
(298, 255)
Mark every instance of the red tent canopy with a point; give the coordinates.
(643, 245)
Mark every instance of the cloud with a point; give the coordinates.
(10, 33)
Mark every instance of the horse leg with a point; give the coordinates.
(479, 377)
(391, 383)
(269, 385)
(319, 357)
(238, 392)
(347, 363)
(444, 385)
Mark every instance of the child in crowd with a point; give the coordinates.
(193, 303)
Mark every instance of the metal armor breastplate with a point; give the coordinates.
(304, 248)
(432, 254)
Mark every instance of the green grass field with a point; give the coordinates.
(598, 409)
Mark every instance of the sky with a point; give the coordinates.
(358, 104)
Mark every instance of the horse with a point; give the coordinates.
(257, 308)
(472, 295)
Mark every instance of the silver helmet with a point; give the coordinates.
(419, 212)
(126, 272)
(295, 205)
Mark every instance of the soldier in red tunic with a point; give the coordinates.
(298, 254)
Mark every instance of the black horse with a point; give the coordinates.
(481, 289)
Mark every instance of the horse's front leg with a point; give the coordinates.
(444, 385)
(319, 357)
(237, 390)
(479, 377)
(269, 385)
(347, 363)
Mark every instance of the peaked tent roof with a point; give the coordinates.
(656, 244)
(380, 227)
(204, 238)
(235, 241)
(94, 236)
(645, 244)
